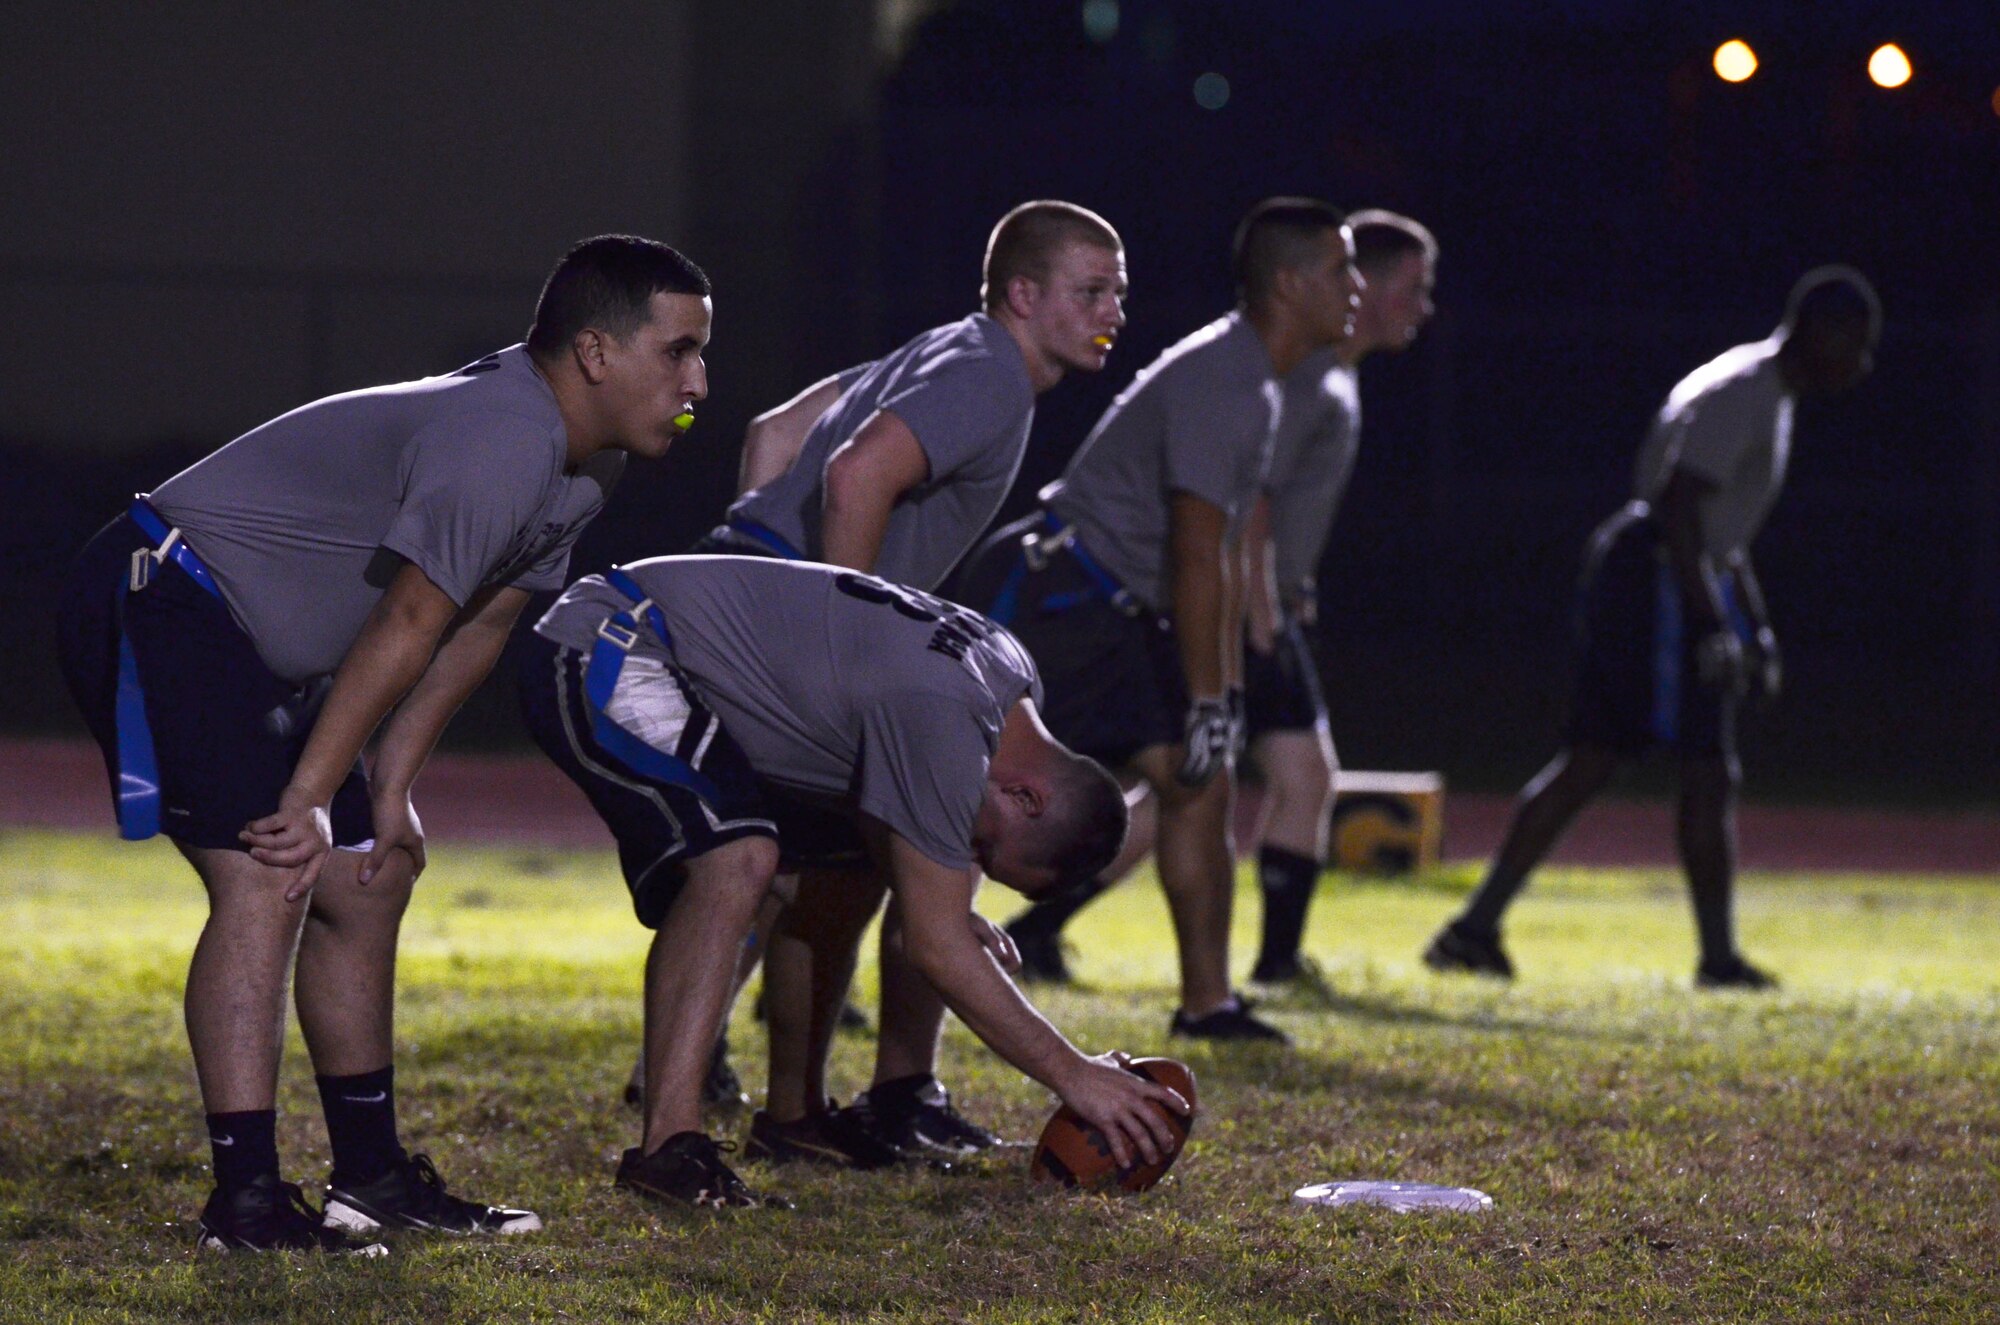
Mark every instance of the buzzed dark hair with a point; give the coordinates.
(1084, 826)
(1278, 235)
(1831, 294)
(1027, 238)
(1382, 238)
(607, 283)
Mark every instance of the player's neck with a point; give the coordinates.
(1287, 339)
(581, 438)
(1043, 369)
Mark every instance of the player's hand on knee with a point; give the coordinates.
(998, 942)
(298, 836)
(1126, 1108)
(1209, 737)
(397, 828)
(1719, 662)
(1767, 664)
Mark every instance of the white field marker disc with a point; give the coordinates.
(1398, 1196)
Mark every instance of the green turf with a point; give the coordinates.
(1828, 1153)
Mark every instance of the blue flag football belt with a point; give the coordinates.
(1037, 546)
(616, 636)
(138, 763)
(764, 534)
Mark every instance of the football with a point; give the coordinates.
(1073, 1153)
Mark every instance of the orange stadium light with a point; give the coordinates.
(1888, 66)
(1735, 61)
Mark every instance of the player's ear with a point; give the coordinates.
(588, 349)
(1023, 293)
(1030, 800)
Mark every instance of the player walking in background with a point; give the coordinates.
(1319, 432)
(896, 467)
(237, 637)
(704, 701)
(1673, 627)
(1127, 584)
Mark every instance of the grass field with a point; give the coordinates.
(1828, 1153)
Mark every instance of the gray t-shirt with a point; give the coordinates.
(1319, 432)
(963, 389)
(305, 520)
(1198, 420)
(1730, 422)
(838, 686)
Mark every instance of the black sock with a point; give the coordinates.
(1288, 880)
(1045, 920)
(245, 1146)
(361, 1123)
(1481, 915)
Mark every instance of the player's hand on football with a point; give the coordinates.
(1767, 664)
(998, 942)
(297, 837)
(397, 828)
(1719, 662)
(1125, 1107)
(1208, 741)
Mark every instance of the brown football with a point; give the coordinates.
(1075, 1154)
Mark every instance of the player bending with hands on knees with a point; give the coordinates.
(1673, 626)
(791, 710)
(896, 467)
(1127, 585)
(236, 637)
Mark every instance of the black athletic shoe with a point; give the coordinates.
(841, 1138)
(916, 1116)
(721, 1090)
(1042, 958)
(413, 1196)
(1733, 973)
(1232, 1021)
(1457, 948)
(687, 1169)
(272, 1215)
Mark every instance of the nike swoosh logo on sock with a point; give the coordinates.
(376, 1098)
(222, 1140)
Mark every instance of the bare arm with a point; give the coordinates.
(935, 901)
(865, 478)
(1694, 569)
(1198, 589)
(772, 441)
(1260, 576)
(386, 659)
(472, 644)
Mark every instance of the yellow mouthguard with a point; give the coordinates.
(1104, 341)
(684, 420)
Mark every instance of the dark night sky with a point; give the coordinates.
(355, 200)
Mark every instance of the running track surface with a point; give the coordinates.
(524, 801)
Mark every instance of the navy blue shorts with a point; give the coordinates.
(1637, 684)
(1281, 690)
(660, 824)
(1112, 678)
(227, 732)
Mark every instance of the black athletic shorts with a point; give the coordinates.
(1281, 690)
(1112, 677)
(226, 731)
(1637, 683)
